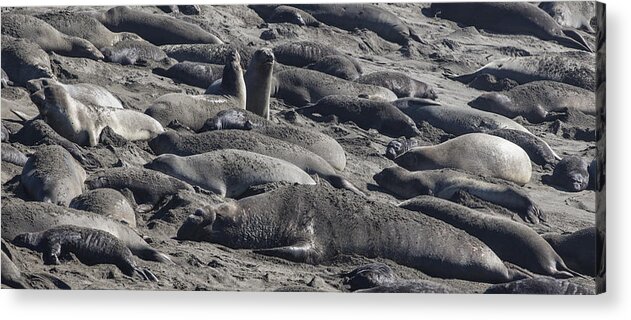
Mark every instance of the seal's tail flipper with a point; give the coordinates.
(565, 272)
(342, 183)
(574, 40)
(21, 115)
(151, 254)
(517, 273)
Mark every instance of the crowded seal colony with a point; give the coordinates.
(431, 148)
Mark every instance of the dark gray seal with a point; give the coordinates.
(366, 113)
(90, 246)
(106, 202)
(400, 146)
(401, 84)
(303, 53)
(537, 149)
(155, 28)
(52, 175)
(284, 14)
(208, 53)
(197, 74)
(578, 249)
(47, 37)
(24, 60)
(379, 278)
(510, 240)
(571, 14)
(540, 285)
(313, 224)
(509, 18)
(446, 183)
(341, 66)
(133, 52)
(571, 174)
(258, 82)
(12, 155)
(11, 275)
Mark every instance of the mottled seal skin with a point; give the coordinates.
(535, 100)
(578, 249)
(341, 66)
(11, 275)
(571, 174)
(185, 9)
(572, 14)
(510, 240)
(52, 175)
(147, 186)
(24, 60)
(47, 37)
(197, 74)
(229, 172)
(107, 202)
(155, 28)
(192, 144)
(258, 81)
(300, 87)
(229, 119)
(445, 183)
(540, 285)
(305, 224)
(90, 246)
(400, 146)
(21, 217)
(401, 84)
(303, 53)
(379, 278)
(366, 113)
(131, 52)
(87, 93)
(510, 18)
(12, 155)
(208, 53)
(574, 68)
(537, 149)
(477, 153)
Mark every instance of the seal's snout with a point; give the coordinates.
(192, 227)
(266, 55)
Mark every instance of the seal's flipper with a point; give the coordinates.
(300, 252)
(574, 40)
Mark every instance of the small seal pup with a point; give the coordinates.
(445, 183)
(155, 28)
(52, 175)
(539, 285)
(82, 124)
(303, 53)
(571, 174)
(478, 153)
(510, 240)
(578, 249)
(379, 278)
(341, 66)
(401, 84)
(536, 100)
(258, 82)
(572, 14)
(366, 113)
(107, 202)
(90, 246)
(314, 223)
(24, 60)
(47, 37)
(228, 172)
(537, 149)
(87, 93)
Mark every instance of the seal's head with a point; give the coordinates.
(55, 99)
(368, 276)
(263, 59)
(162, 143)
(29, 240)
(396, 180)
(84, 48)
(210, 223)
(430, 94)
(163, 163)
(572, 173)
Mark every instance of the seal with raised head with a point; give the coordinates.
(90, 246)
(578, 249)
(445, 183)
(366, 113)
(401, 84)
(303, 53)
(155, 28)
(510, 18)
(478, 153)
(571, 174)
(537, 149)
(47, 37)
(24, 60)
(52, 175)
(87, 93)
(510, 240)
(571, 14)
(107, 202)
(535, 100)
(21, 217)
(197, 74)
(313, 224)
(341, 66)
(229, 172)
(540, 285)
(258, 82)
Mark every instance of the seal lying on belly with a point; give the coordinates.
(24, 60)
(401, 84)
(106, 202)
(477, 153)
(313, 224)
(197, 74)
(540, 285)
(578, 249)
(282, 13)
(86, 93)
(228, 172)
(21, 217)
(341, 66)
(134, 52)
(379, 278)
(537, 149)
(303, 53)
(208, 53)
(445, 183)
(571, 173)
(90, 246)
(12, 155)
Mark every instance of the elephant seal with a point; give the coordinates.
(229, 172)
(574, 68)
(578, 249)
(155, 28)
(401, 84)
(90, 246)
(6, 134)
(185, 9)
(83, 124)
(445, 183)
(21, 217)
(571, 14)
(18, 111)
(339, 65)
(229, 119)
(77, 24)
(571, 174)
(12, 155)
(379, 278)
(282, 13)
(313, 224)
(24, 60)
(537, 149)
(107, 202)
(460, 120)
(258, 82)
(192, 144)
(134, 52)
(362, 16)
(197, 74)
(400, 146)
(366, 113)
(5, 79)
(539, 285)
(300, 87)
(510, 240)
(86, 93)
(477, 153)
(47, 37)
(52, 175)
(11, 275)
(303, 53)
(535, 100)
(411, 286)
(208, 53)
(147, 186)
(510, 18)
